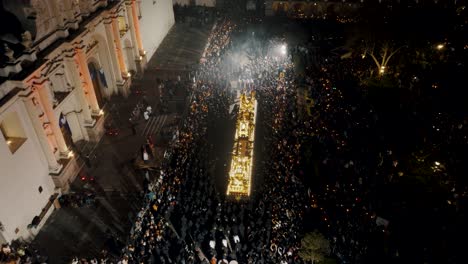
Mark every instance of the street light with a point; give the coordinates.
(283, 49)
(440, 46)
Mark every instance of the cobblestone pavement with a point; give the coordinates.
(84, 231)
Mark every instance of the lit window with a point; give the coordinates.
(12, 131)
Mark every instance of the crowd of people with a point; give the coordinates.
(17, 252)
(189, 220)
(353, 155)
(155, 237)
(345, 164)
(319, 157)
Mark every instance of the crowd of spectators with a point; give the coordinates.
(354, 156)
(186, 219)
(18, 252)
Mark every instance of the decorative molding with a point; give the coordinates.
(91, 45)
(74, 111)
(11, 67)
(30, 92)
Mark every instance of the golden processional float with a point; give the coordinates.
(240, 173)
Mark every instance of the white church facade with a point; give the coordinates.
(60, 63)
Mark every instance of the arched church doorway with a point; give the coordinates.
(66, 131)
(99, 81)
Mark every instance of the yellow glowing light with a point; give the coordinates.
(382, 70)
(240, 173)
(440, 46)
(437, 163)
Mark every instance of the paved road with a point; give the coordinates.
(85, 231)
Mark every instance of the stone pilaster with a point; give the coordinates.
(120, 74)
(83, 65)
(118, 47)
(71, 66)
(54, 166)
(134, 24)
(43, 91)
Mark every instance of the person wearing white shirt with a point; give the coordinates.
(145, 156)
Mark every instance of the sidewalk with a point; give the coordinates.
(84, 231)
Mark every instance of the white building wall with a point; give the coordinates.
(21, 174)
(157, 19)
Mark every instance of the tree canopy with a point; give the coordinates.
(314, 247)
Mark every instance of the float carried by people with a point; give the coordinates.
(240, 173)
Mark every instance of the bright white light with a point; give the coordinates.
(440, 46)
(437, 163)
(283, 49)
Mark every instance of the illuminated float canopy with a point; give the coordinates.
(240, 174)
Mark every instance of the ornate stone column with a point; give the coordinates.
(113, 50)
(134, 24)
(71, 65)
(54, 166)
(118, 46)
(83, 65)
(118, 72)
(43, 90)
